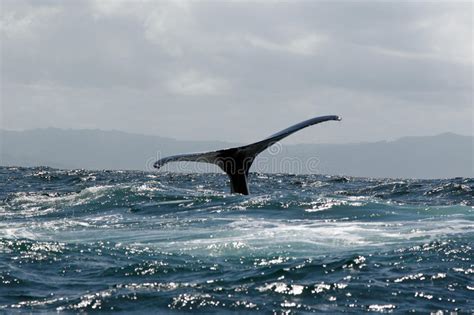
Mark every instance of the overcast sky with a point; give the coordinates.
(238, 70)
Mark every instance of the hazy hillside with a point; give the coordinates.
(445, 155)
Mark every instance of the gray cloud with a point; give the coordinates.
(191, 69)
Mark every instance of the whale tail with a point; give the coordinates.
(236, 162)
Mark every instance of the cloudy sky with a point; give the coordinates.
(238, 70)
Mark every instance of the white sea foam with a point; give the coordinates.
(30, 205)
(381, 307)
(282, 288)
(322, 204)
(305, 235)
(17, 233)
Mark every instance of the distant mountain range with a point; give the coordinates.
(440, 156)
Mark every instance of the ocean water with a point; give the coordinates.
(137, 242)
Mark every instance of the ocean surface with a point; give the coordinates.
(136, 242)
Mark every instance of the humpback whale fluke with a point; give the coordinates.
(236, 161)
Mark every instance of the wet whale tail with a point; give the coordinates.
(236, 161)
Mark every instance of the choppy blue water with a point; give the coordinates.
(140, 242)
